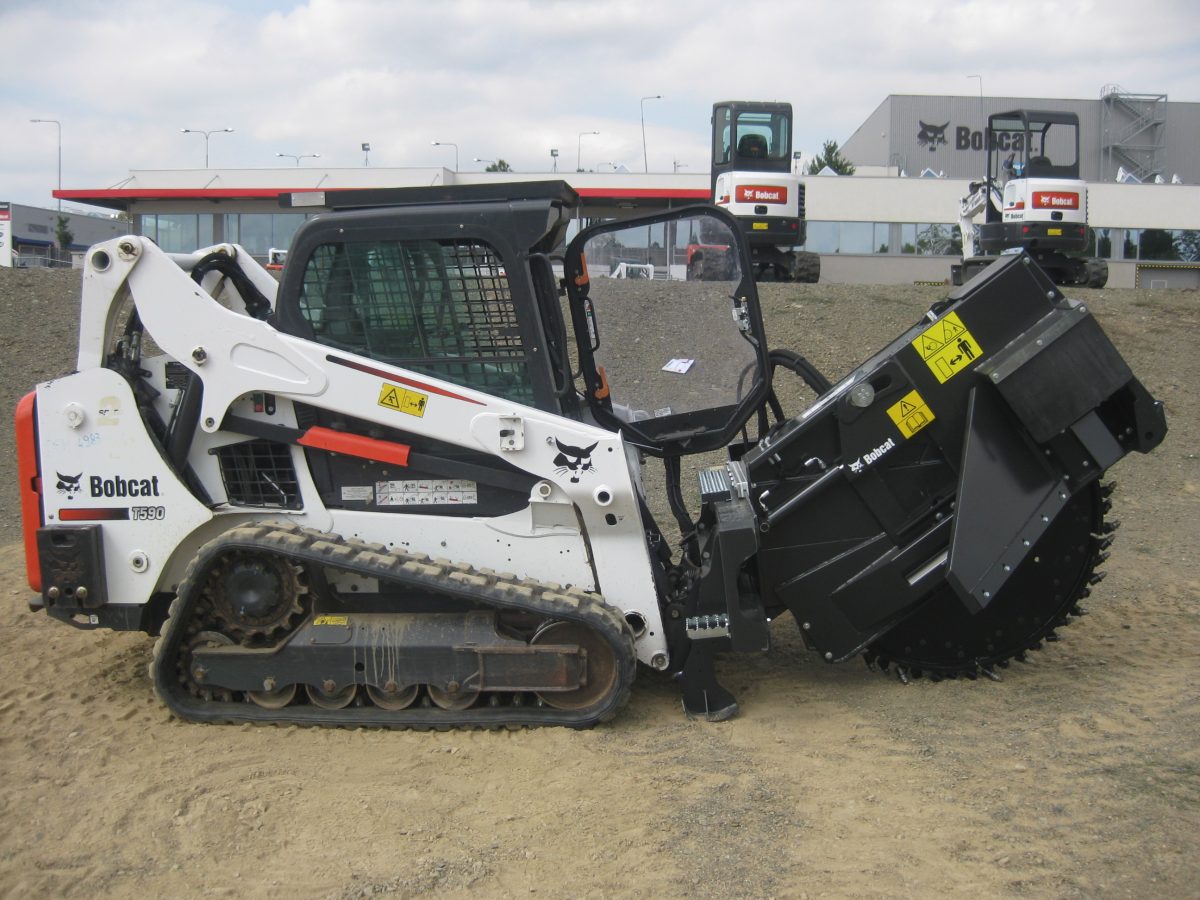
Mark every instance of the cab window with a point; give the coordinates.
(440, 307)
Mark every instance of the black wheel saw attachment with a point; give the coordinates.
(939, 510)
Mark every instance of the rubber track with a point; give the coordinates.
(311, 547)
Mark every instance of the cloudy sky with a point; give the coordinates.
(514, 78)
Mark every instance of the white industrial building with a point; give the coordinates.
(885, 224)
(29, 234)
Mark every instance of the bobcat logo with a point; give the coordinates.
(931, 135)
(575, 460)
(68, 484)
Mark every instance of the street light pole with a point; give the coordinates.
(645, 158)
(207, 135)
(299, 156)
(448, 144)
(578, 149)
(57, 124)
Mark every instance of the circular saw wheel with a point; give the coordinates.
(942, 639)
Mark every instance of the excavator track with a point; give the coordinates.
(577, 651)
(941, 639)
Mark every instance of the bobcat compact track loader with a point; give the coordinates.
(393, 491)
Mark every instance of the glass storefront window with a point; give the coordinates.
(857, 237)
(879, 241)
(822, 237)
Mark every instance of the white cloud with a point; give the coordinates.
(513, 79)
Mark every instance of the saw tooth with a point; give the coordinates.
(1106, 488)
(1102, 558)
(1103, 543)
(1078, 610)
(869, 659)
(1110, 526)
(902, 674)
(1036, 645)
(1097, 577)
(1020, 656)
(1105, 505)
(1084, 592)
(1052, 638)
(991, 673)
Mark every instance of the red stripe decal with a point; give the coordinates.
(645, 193)
(355, 445)
(272, 193)
(93, 513)
(30, 487)
(391, 376)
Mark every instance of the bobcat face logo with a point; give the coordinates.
(575, 460)
(68, 484)
(931, 135)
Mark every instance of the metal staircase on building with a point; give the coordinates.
(1133, 132)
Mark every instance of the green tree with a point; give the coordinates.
(1188, 246)
(939, 240)
(499, 166)
(832, 157)
(64, 235)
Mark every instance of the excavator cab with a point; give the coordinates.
(751, 136)
(1033, 144)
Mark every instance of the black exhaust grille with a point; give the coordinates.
(259, 473)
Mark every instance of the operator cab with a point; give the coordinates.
(751, 136)
(1032, 144)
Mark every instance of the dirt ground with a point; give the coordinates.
(1077, 776)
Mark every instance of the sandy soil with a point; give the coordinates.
(1078, 776)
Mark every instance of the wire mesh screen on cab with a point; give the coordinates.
(442, 307)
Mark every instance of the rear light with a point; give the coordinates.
(30, 486)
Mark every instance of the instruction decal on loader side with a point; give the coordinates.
(947, 347)
(392, 396)
(331, 620)
(911, 414)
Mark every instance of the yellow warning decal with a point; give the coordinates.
(911, 414)
(403, 400)
(947, 347)
(331, 620)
